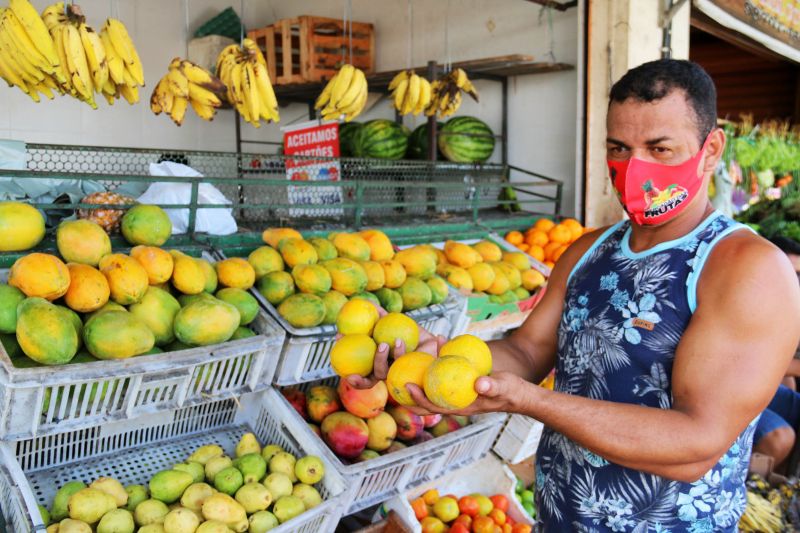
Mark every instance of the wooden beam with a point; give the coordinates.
(709, 25)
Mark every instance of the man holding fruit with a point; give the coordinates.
(668, 333)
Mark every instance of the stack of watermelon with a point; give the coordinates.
(466, 140)
(381, 139)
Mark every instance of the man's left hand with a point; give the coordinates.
(500, 392)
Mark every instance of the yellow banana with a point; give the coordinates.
(155, 102)
(179, 110)
(206, 112)
(238, 93)
(250, 89)
(125, 48)
(178, 83)
(325, 95)
(58, 39)
(400, 94)
(95, 56)
(200, 76)
(35, 28)
(76, 61)
(116, 66)
(231, 50)
(352, 93)
(460, 78)
(269, 103)
(164, 96)
(129, 93)
(9, 74)
(45, 90)
(18, 61)
(203, 96)
(109, 98)
(110, 88)
(52, 16)
(343, 79)
(424, 96)
(19, 37)
(412, 95)
(251, 46)
(358, 107)
(400, 76)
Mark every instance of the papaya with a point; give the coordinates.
(312, 279)
(347, 276)
(21, 226)
(394, 274)
(390, 300)
(351, 246)
(10, 297)
(235, 272)
(303, 310)
(244, 302)
(157, 310)
(376, 277)
(438, 288)
(368, 296)
(333, 300)
(206, 321)
(146, 224)
(380, 246)
(88, 288)
(242, 333)
(415, 294)
(276, 287)
(297, 252)
(109, 306)
(40, 275)
(264, 260)
(117, 335)
(157, 262)
(418, 262)
(186, 299)
(82, 241)
(325, 248)
(187, 274)
(210, 275)
(75, 320)
(127, 279)
(45, 333)
(274, 236)
(461, 255)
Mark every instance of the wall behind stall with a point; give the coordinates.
(542, 108)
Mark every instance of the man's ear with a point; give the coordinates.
(715, 146)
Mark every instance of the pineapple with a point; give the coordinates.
(109, 219)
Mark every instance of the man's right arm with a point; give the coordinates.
(530, 352)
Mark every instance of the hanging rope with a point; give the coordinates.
(241, 26)
(448, 65)
(186, 25)
(410, 55)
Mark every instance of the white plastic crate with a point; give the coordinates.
(488, 476)
(378, 479)
(44, 400)
(306, 351)
(31, 471)
(519, 439)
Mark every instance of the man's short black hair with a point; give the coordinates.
(655, 80)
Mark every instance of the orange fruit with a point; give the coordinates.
(500, 502)
(544, 224)
(537, 252)
(560, 234)
(550, 249)
(549, 264)
(537, 238)
(514, 237)
(559, 252)
(523, 247)
(572, 223)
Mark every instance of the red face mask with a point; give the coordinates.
(654, 193)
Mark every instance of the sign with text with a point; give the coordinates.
(309, 140)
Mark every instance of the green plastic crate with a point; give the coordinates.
(227, 24)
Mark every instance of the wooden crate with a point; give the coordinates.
(309, 49)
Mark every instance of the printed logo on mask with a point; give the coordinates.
(659, 202)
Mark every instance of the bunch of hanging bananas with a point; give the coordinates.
(446, 97)
(59, 52)
(410, 93)
(28, 56)
(243, 70)
(187, 84)
(761, 515)
(345, 94)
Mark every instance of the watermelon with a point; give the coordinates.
(418, 142)
(382, 139)
(347, 133)
(476, 147)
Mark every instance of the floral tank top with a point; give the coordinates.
(623, 318)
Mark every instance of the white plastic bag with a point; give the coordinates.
(214, 221)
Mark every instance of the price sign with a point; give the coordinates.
(310, 140)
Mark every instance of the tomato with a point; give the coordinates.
(431, 524)
(500, 502)
(464, 519)
(498, 516)
(483, 524)
(507, 528)
(468, 505)
(431, 496)
(420, 509)
(510, 521)
(521, 528)
(446, 509)
(458, 528)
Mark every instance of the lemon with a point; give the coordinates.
(472, 349)
(449, 382)
(353, 354)
(357, 317)
(397, 326)
(408, 368)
